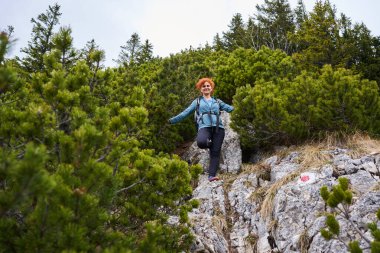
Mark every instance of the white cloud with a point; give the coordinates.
(170, 25)
(173, 25)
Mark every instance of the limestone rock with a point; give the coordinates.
(245, 214)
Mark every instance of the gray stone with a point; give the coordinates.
(271, 161)
(229, 217)
(281, 170)
(370, 167)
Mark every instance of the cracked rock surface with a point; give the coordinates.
(278, 207)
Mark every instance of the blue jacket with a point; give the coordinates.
(207, 120)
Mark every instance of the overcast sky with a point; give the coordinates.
(170, 25)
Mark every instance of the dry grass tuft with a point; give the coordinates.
(262, 170)
(258, 196)
(376, 188)
(273, 225)
(359, 143)
(312, 156)
(362, 144)
(304, 241)
(219, 223)
(255, 168)
(331, 140)
(252, 239)
(267, 206)
(228, 180)
(282, 153)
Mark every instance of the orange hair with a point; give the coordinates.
(201, 81)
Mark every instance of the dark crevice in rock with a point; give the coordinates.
(336, 173)
(272, 243)
(229, 220)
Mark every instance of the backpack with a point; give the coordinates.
(198, 116)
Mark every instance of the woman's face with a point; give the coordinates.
(206, 88)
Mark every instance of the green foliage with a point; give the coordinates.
(275, 20)
(236, 36)
(245, 67)
(332, 224)
(4, 43)
(93, 56)
(312, 39)
(343, 183)
(291, 110)
(159, 236)
(41, 43)
(324, 193)
(129, 51)
(326, 234)
(340, 199)
(375, 246)
(354, 247)
(300, 14)
(134, 52)
(320, 32)
(8, 77)
(340, 193)
(324, 38)
(73, 173)
(374, 231)
(63, 42)
(81, 162)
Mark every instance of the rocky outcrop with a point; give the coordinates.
(275, 205)
(231, 154)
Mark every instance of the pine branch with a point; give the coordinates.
(115, 169)
(108, 149)
(346, 213)
(129, 187)
(10, 102)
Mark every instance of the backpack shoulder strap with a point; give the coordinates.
(196, 113)
(197, 107)
(218, 101)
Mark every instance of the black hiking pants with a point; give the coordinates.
(209, 138)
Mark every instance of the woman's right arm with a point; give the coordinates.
(184, 114)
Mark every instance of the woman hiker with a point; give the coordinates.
(210, 127)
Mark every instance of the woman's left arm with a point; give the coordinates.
(225, 107)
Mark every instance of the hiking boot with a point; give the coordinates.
(211, 178)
